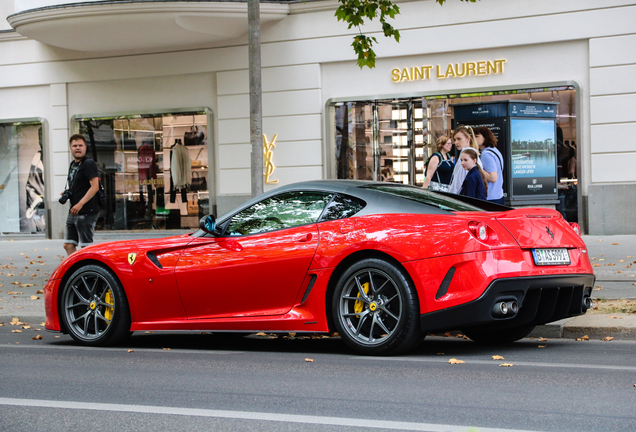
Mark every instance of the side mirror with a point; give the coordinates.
(208, 224)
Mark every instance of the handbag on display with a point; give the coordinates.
(193, 205)
(199, 183)
(196, 162)
(193, 137)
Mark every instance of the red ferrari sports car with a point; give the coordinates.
(380, 263)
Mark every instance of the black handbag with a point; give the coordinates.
(193, 137)
(199, 183)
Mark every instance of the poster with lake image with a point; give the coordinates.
(533, 155)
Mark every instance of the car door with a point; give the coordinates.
(258, 265)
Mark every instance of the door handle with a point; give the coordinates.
(305, 238)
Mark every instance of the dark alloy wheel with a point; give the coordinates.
(375, 308)
(496, 336)
(94, 307)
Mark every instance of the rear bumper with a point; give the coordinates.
(541, 299)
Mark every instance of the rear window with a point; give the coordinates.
(424, 196)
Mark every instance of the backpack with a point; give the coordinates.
(101, 194)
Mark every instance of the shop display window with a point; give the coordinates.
(22, 194)
(380, 140)
(154, 168)
(390, 140)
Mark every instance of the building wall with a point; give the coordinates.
(307, 61)
(612, 195)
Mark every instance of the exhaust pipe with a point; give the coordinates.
(504, 309)
(513, 307)
(588, 303)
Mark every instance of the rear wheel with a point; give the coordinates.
(375, 308)
(498, 336)
(94, 307)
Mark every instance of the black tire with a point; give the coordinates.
(494, 336)
(94, 308)
(384, 321)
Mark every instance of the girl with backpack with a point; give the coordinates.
(439, 167)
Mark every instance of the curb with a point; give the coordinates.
(620, 326)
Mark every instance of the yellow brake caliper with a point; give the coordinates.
(108, 312)
(358, 306)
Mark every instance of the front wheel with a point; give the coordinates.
(498, 336)
(94, 307)
(375, 308)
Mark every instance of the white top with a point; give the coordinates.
(459, 174)
(181, 166)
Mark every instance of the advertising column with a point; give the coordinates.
(533, 152)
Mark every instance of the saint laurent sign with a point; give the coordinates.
(452, 70)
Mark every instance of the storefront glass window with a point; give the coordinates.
(154, 169)
(22, 194)
(399, 136)
(381, 140)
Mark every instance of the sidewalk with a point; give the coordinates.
(26, 262)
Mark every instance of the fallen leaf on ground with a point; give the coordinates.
(608, 338)
(130, 351)
(16, 331)
(621, 260)
(35, 297)
(309, 360)
(39, 292)
(292, 335)
(455, 361)
(543, 339)
(615, 317)
(15, 321)
(166, 349)
(584, 338)
(38, 337)
(506, 365)
(261, 334)
(615, 243)
(600, 239)
(542, 346)
(497, 357)
(26, 327)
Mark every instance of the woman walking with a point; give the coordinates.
(464, 139)
(439, 168)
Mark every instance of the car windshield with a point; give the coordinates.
(424, 196)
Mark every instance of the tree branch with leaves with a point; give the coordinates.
(355, 12)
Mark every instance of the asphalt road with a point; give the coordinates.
(217, 382)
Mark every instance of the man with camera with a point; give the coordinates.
(81, 190)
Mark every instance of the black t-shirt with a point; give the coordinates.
(79, 177)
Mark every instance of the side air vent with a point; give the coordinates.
(443, 288)
(152, 257)
(309, 287)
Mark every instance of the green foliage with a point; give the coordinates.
(355, 12)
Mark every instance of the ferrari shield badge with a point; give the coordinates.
(131, 258)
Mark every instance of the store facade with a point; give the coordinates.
(323, 117)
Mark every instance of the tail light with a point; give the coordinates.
(482, 232)
(576, 228)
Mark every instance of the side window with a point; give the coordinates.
(282, 211)
(341, 207)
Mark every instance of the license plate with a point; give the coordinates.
(551, 257)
